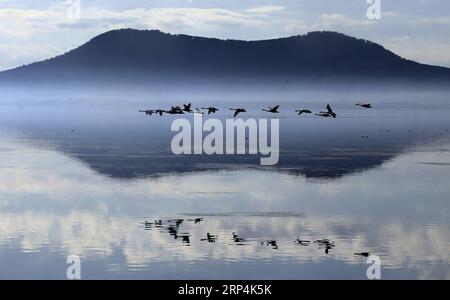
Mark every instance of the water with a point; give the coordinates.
(78, 180)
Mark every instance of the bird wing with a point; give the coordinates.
(236, 113)
(276, 107)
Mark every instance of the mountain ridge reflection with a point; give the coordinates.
(120, 159)
(138, 146)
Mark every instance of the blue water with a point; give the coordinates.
(83, 180)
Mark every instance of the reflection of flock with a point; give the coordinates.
(172, 227)
(187, 108)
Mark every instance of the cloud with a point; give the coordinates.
(442, 21)
(332, 20)
(32, 29)
(426, 51)
(266, 9)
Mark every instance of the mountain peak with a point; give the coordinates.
(153, 54)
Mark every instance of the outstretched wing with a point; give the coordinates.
(329, 109)
(236, 113)
(276, 107)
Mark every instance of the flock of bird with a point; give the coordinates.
(187, 108)
(172, 226)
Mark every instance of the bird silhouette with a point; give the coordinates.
(175, 110)
(177, 222)
(273, 110)
(173, 231)
(325, 244)
(365, 254)
(237, 111)
(303, 111)
(159, 112)
(210, 238)
(237, 239)
(186, 239)
(196, 220)
(302, 242)
(328, 113)
(187, 107)
(364, 105)
(148, 112)
(273, 244)
(324, 114)
(211, 110)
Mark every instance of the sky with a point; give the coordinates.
(33, 30)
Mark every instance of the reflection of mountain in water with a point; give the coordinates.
(316, 165)
(128, 161)
(128, 146)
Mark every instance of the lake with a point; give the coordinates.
(100, 182)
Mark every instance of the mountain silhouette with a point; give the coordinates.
(130, 55)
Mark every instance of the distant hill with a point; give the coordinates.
(129, 55)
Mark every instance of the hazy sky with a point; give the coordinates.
(32, 30)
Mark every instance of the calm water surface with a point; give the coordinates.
(85, 180)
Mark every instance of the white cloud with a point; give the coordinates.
(333, 20)
(421, 50)
(46, 32)
(266, 9)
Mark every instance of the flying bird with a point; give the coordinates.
(211, 110)
(327, 114)
(303, 111)
(196, 220)
(148, 112)
(273, 110)
(159, 112)
(237, 111)
(237, 238)
(365, 105)
(324, 114)
(175, 110)
(187, 107)
(330, 111)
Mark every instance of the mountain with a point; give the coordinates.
(129, 55)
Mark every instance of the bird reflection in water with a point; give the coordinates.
(325, 244)
(210, 238)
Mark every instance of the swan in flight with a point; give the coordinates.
(273, 110)
(237, 111)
